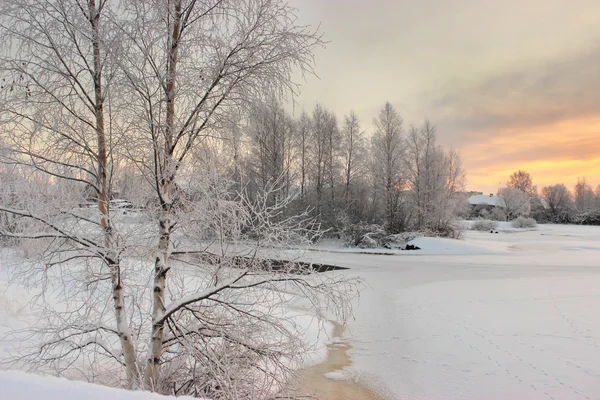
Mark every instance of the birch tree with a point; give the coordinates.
(186, 62)
(55, 97)
(322, 132)
(388, 155)
(583, 196)
(303, 127)
(558, 199)
(353, 149)
(270, 135)
(435, 178)
(515, 202)
(182, 67)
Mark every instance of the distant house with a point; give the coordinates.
(494, 207)
(485, 200)
(486, 206)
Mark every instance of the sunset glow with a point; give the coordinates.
(511, 85)
(560, 152)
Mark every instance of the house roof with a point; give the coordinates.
(489, 200)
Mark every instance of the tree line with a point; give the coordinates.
(552, 203)
(99, 97)
(172, 105)
(398, 177)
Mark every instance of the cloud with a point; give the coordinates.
(510, 84)
(558, 152)
(540, 94)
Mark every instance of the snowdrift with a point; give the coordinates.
(16, 385)
(431, 245)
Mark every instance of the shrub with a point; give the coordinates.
(369, 236)
(588, 218)
(498, 214)
(483, 225)
(524, 222)
(363, 235)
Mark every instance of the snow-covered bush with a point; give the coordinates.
(398, 240)
(587, 218)
(363, 235)
(369, 236)
(524, 222)
(498, 214)
(483, 225)
(514, 201)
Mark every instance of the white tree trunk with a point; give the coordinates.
(126, 340)
(165, 187)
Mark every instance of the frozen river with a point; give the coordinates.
(513, 315)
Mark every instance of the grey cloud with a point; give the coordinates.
(563, 89)
(581, 149)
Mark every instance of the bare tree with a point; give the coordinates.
(185, 63)
(182, 67)
(55, 100)
(303, 129)
(323, 132)
(522, 181)
(515, 202)
(353, 152)
(435, 179)
(388, 152)
(583, 196)
(270, 134)
(234, 147)
(558, 199)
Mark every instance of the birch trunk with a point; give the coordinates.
(125, 338)
(165, 188)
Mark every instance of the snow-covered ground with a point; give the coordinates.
(16, 313)
(513, 315)
(16, 385)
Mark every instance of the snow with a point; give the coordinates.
(486, 199)
(339, 375)
(316, 336)
(16, 385)
(15, 313)
(512, 315)
(505, 226)
(429, 245)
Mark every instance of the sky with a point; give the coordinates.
(511, 84)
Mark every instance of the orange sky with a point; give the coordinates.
(559, 152)
(511, 84)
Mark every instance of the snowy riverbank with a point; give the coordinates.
(494, 316)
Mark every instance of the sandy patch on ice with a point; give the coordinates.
(330, 380)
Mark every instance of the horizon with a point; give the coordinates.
(509, 90)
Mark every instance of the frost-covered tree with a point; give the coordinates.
(323, 145)
(353, 148)
(522, 181)
(270, 134)
(514, 201)
(387, 152)
(435, 180)
(302, 145)
(55, 110)
(558, 199)
(185, 63)
(583, 196)
(182, 68)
